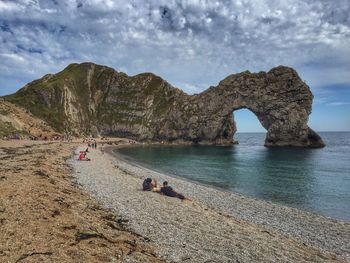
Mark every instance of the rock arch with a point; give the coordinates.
(92, 99)
(279, 98)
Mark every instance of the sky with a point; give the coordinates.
(192, 44)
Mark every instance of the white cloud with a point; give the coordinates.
(12, 57)
(186, 42)
(8, 6)
(338, 103)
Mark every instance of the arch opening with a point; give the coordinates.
(248, 124)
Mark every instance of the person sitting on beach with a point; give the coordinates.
(169, 191)
(150, 184)
(82, 157)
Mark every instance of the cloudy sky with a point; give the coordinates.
(192, 44)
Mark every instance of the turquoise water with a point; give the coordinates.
(316, 180)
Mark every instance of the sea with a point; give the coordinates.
(314, 180)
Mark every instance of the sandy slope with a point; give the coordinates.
(22, 121)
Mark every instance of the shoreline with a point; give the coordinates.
(241, 197)
(319, 233)
(217, 188)
(139, 165)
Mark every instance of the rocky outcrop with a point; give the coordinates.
(92, 99)
(279, 98)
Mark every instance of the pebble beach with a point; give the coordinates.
(213, 225)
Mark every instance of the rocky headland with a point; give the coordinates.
(90, 99)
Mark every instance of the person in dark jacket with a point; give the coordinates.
(169, 191)
(150, 184)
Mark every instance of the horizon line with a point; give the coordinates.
(266, 131)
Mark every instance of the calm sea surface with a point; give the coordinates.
(316, 180)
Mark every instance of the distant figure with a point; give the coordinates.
(169, 191)
(82, 156)
(150, 184)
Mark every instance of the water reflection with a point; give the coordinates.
(313, 179)
(285, 175)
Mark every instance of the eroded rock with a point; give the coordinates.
(279, 98)
(97, 100)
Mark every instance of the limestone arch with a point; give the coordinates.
(279, 98)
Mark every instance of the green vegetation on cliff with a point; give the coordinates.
(92, 99)
(84, 96)
(6, 129)
(32, 98)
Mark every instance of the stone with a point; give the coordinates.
(89, 99)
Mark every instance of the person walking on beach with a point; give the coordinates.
(169, 191)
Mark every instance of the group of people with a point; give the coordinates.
(91, 143)
(150, 184)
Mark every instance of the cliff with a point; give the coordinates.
(92, 99)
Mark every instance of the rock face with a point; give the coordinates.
(279, 98)
(92, 99)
